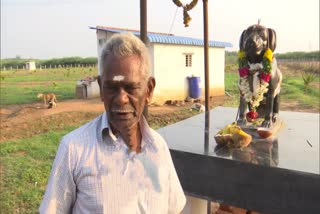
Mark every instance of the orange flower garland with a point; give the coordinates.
(264, 72)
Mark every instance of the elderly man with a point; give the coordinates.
(116, 163)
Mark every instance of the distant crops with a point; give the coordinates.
(17, 63)
(314, 55)
(232, 57)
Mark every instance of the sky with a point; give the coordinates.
(46, 29)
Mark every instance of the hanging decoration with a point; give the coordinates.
(186, 8)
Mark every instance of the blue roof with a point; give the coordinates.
(167, 38)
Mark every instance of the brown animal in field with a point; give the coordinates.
(260, 78)
(50, 99)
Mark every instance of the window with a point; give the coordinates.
(102, 41)
(188, 60)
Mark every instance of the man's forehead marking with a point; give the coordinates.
(118, 78)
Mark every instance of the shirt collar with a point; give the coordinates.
(147, 137)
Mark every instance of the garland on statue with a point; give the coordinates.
(186, 8)
(263, 70)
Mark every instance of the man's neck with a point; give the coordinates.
(132, 137)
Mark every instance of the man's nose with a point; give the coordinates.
(122, 97)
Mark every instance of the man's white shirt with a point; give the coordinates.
(94, 172)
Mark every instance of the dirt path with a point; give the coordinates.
(18, 121)
(28, 119)
(20, 113)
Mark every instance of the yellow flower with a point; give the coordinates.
(268, 54)
(241, 54)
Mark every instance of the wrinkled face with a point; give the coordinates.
(255, 40)
(123, 91)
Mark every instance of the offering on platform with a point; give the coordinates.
(233, 136)
(264, 132)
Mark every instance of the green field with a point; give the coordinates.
(26, 163)
(20, 86)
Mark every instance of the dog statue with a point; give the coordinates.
(260, 78)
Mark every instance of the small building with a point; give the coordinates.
(174, 59)
(31, 65)
(87, 88)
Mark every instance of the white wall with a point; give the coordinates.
(31, 66)
(216, 67)
(171, 73)
(151, 50)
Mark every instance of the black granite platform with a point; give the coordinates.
(276, 175)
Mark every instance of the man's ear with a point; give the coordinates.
(100, 87)
(150, 89)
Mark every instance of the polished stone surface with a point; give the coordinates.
(295, 147)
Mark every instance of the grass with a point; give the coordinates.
(307, 78)
(231, 83)
(293, 89)
(11, 94)
(54, 74)
(157, 121)
(22, 87)
(25, 168)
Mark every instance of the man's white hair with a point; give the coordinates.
(125, 45)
